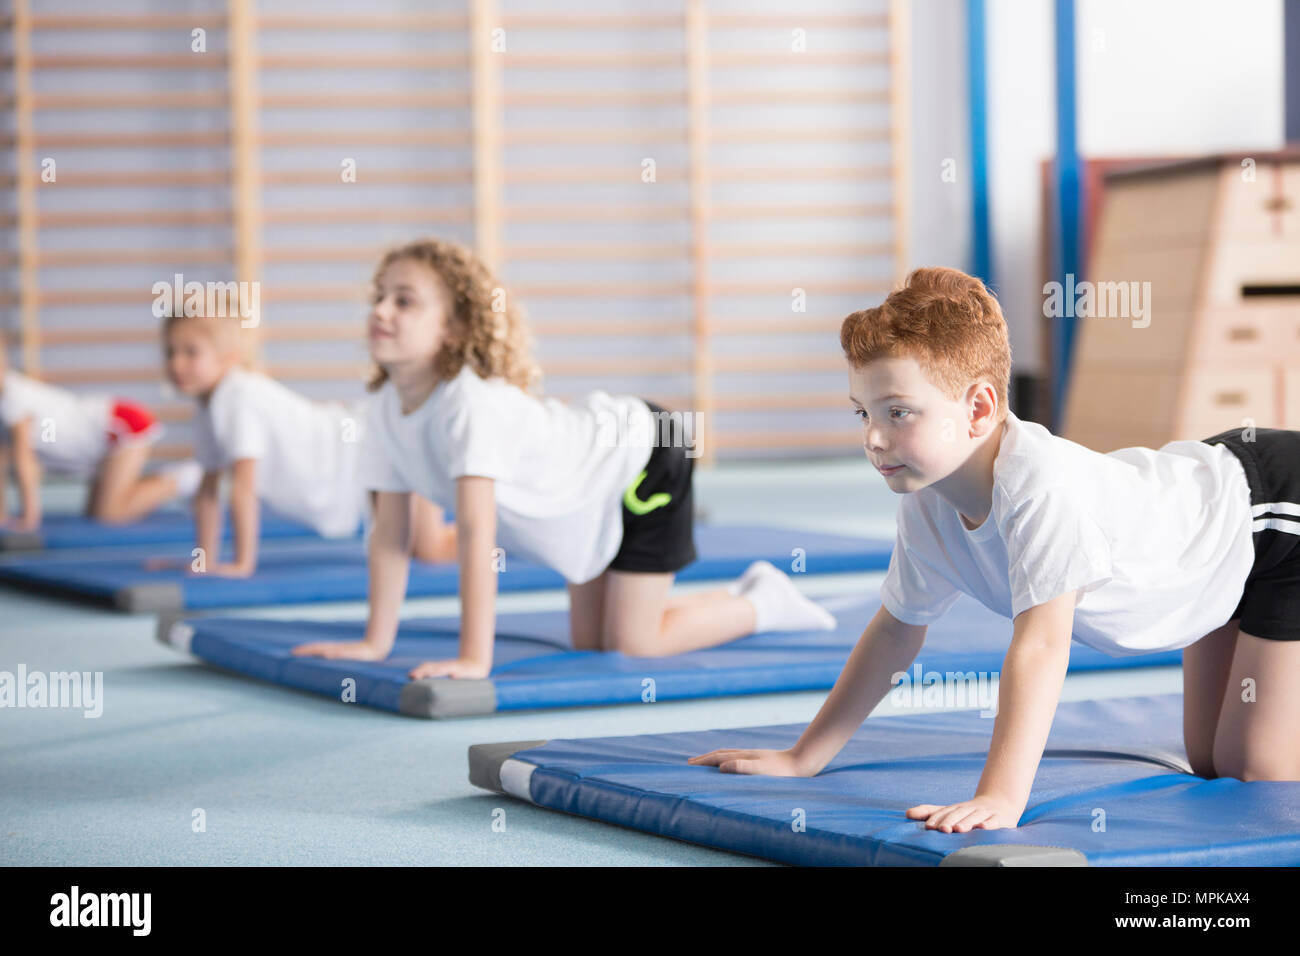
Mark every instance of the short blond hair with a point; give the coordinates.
(223, 330)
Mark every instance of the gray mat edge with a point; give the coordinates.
(149, 598)
(163, 624)
(17, 542)
(485, 761)
(1014, 854)
(438, 698)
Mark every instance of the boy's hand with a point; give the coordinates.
(464, 667)
(773, 763)
(347, 650)
(983, 812)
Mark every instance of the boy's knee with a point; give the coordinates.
(1202, 764)
(1266, 769)
(1250, 765)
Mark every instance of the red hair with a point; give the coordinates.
(944, 319)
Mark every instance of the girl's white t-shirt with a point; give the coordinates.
(1156, 542)
(307, 452)
(559, 471)
(70, 431)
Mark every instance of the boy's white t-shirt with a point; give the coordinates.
(70, 431)
(1157, 543)
(307, 452)
(559, 471)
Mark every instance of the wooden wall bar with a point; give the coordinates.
(686, 199)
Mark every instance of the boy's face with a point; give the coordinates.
(408, 315)
(909, 424)
(195, 365)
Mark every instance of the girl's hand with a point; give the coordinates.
(168, 564)
(21, 523)
(464, 667)
(225, 569)
(983, 812)
(773, 763)
(348, 650)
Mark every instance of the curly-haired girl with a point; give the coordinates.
(458, 419)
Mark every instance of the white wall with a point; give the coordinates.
(1154, 77)
(940, 130)
(1021, 104)
(1181, 76)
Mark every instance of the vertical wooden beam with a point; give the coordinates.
(697, 105)
(28, 288)
(241, 36)
(485, 75)
(900, 134)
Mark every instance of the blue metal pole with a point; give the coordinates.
(1069, 199)
(977, 93)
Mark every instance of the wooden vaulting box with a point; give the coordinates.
(1213, 342)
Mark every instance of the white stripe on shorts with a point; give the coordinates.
(1280, 507)
(1289, 525)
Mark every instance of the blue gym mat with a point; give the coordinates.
(1113, 789)
(292, 572)
(535, 667)
(61, 532)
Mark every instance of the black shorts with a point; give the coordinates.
(1270, 602)
(658, 532)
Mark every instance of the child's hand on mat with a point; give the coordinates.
(21, 523)
(465, 667)
(167, 564)
(983, 812)
(774, 763)
(227, 569)
(348, 650)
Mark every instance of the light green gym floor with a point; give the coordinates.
(286, 777)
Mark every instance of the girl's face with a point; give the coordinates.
(194, 363)
(409, 309)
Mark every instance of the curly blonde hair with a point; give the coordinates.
(493, 341)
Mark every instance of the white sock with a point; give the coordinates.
(746, 580)
(187, 475)
(778, 605)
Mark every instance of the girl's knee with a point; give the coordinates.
(638, 643)
(109, 512)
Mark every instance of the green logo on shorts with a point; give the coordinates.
(638, 507)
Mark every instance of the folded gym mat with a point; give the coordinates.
(298, 572)
(59, 532)
(1113, 789)
(535, 667)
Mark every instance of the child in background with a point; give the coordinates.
(103, 439)
(301, 457)
(456, 419)
(1133, 552)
